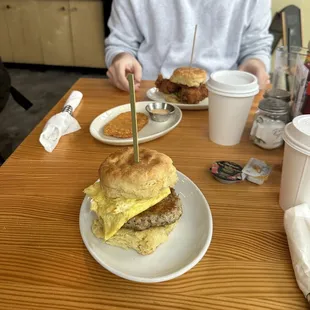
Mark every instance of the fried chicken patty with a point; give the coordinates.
(165, 85)
(193, 95)
(185, 94)
(163, 213)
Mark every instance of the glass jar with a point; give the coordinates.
(269, 122)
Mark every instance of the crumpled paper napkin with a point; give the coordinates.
(297, 227)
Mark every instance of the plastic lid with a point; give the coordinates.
(297, 134)
(274, 105)
(233, 83)
(278, 94)
(302, 123)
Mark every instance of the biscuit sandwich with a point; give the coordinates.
(135, 204)
(186, 85)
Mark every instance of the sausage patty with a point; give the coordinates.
(163, 213)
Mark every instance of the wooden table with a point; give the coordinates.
(45, 265)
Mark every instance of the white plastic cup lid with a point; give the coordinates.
(302, 123)
(297, 133)
(233, 83)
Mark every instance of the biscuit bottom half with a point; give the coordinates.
(144, 242)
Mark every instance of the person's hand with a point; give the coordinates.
(122, 65)
(256, 67)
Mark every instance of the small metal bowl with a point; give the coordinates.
(157, 117)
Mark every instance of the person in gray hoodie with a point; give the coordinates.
(155, 36)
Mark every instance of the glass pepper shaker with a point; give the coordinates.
(269, 122)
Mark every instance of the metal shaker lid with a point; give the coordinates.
(278, 93)
(274, 105)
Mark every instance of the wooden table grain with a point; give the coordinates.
(45, 265)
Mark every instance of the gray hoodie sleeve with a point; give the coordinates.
(256, 40)
(124, 32)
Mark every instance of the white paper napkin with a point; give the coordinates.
(297, 227)
(62, 123)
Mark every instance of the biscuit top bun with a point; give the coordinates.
(191, 77)
(120, 176)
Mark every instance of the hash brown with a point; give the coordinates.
(121, 125)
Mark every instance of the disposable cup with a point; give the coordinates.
(295, 180)
(231, 95)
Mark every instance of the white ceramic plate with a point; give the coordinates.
(156, 95)
(151, 131)
(186, 246)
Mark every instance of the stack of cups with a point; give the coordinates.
(231, 95)
(295, 182)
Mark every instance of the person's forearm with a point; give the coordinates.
(114, 53)
(125, 36)
(258, 68)
(253, 62)
(123, 64)
(256, 40)
(257, 60)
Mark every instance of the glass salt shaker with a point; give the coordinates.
(269, 122)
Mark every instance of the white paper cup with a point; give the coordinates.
(231, 95)
(295, 180)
